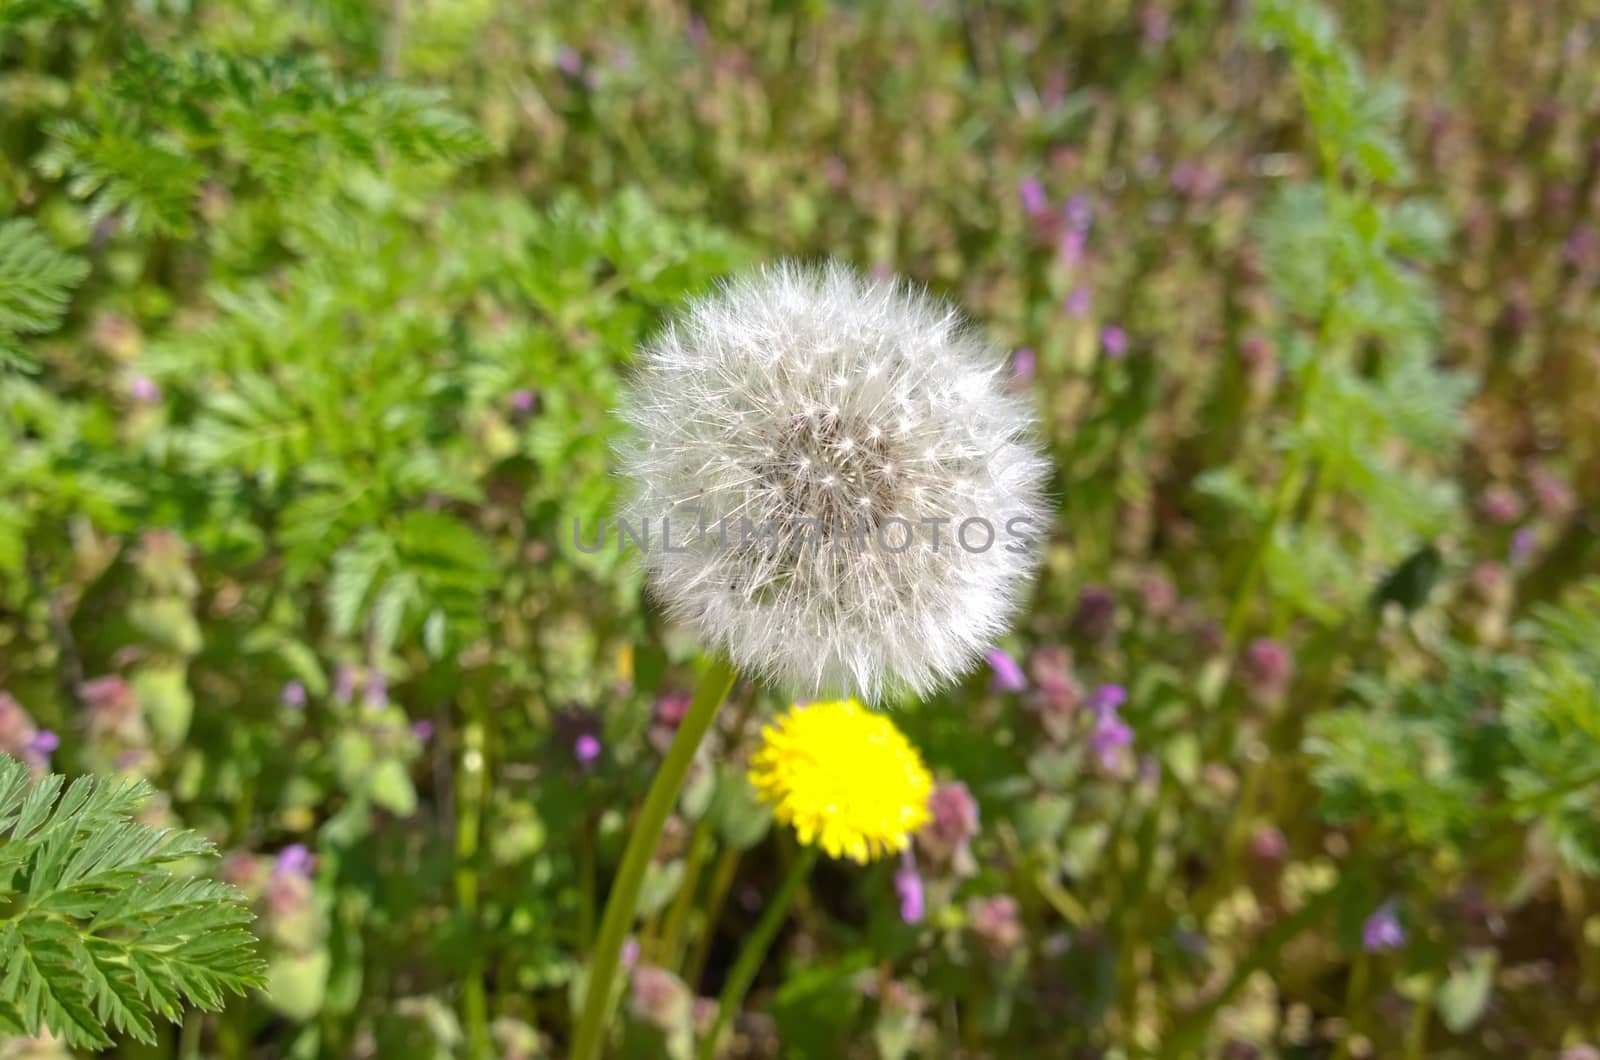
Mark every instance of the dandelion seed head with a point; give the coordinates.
(816, 416)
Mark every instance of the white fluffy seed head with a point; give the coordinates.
(851, 498)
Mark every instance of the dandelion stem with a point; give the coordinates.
(624, 898)
(755, 949)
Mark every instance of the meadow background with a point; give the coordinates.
(312, 316)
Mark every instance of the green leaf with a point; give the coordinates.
(36, 281)
(104, 937)
(1464, 995)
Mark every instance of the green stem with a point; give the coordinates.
(1417, 1032)
(1355, 998)
(623, 901)
(721, 884)
(670, 950)
(755, 949)
(471, 783)
(586, 840)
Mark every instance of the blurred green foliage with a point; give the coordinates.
(312, 318)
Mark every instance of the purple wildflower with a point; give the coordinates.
(1582, 246)
(659, 998)
(1070, 248)
(671, 708)
(376, 694)
(1382, 931)
(1079, 300)
(1107, 700)
(1501, 504)
(144, 390)
(1156, 24)
(1111, 735)
(294, 860)
(1115, 340)
(344, 683)
(293, 695)
(1269, 844)
(1268, 670)
(587, 748)
(1551, 493)
(1095, 618)
(1522, 544)
(1008, 676)
(1079, 214)
(422, 730)
(44, 743)
(569, 62)
(955, 822)
(954, 811)
(523, 400)
(997, 924)
(1034, 201)
(1023, 364)
(908, 886)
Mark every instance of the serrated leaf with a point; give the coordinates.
(104, 937)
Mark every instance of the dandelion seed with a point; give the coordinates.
(844, 778)
(781, 403)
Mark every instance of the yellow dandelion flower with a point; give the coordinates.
(844, 777)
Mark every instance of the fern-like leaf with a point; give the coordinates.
(36, 279)
(96, 936)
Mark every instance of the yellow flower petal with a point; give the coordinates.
(844, 778)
